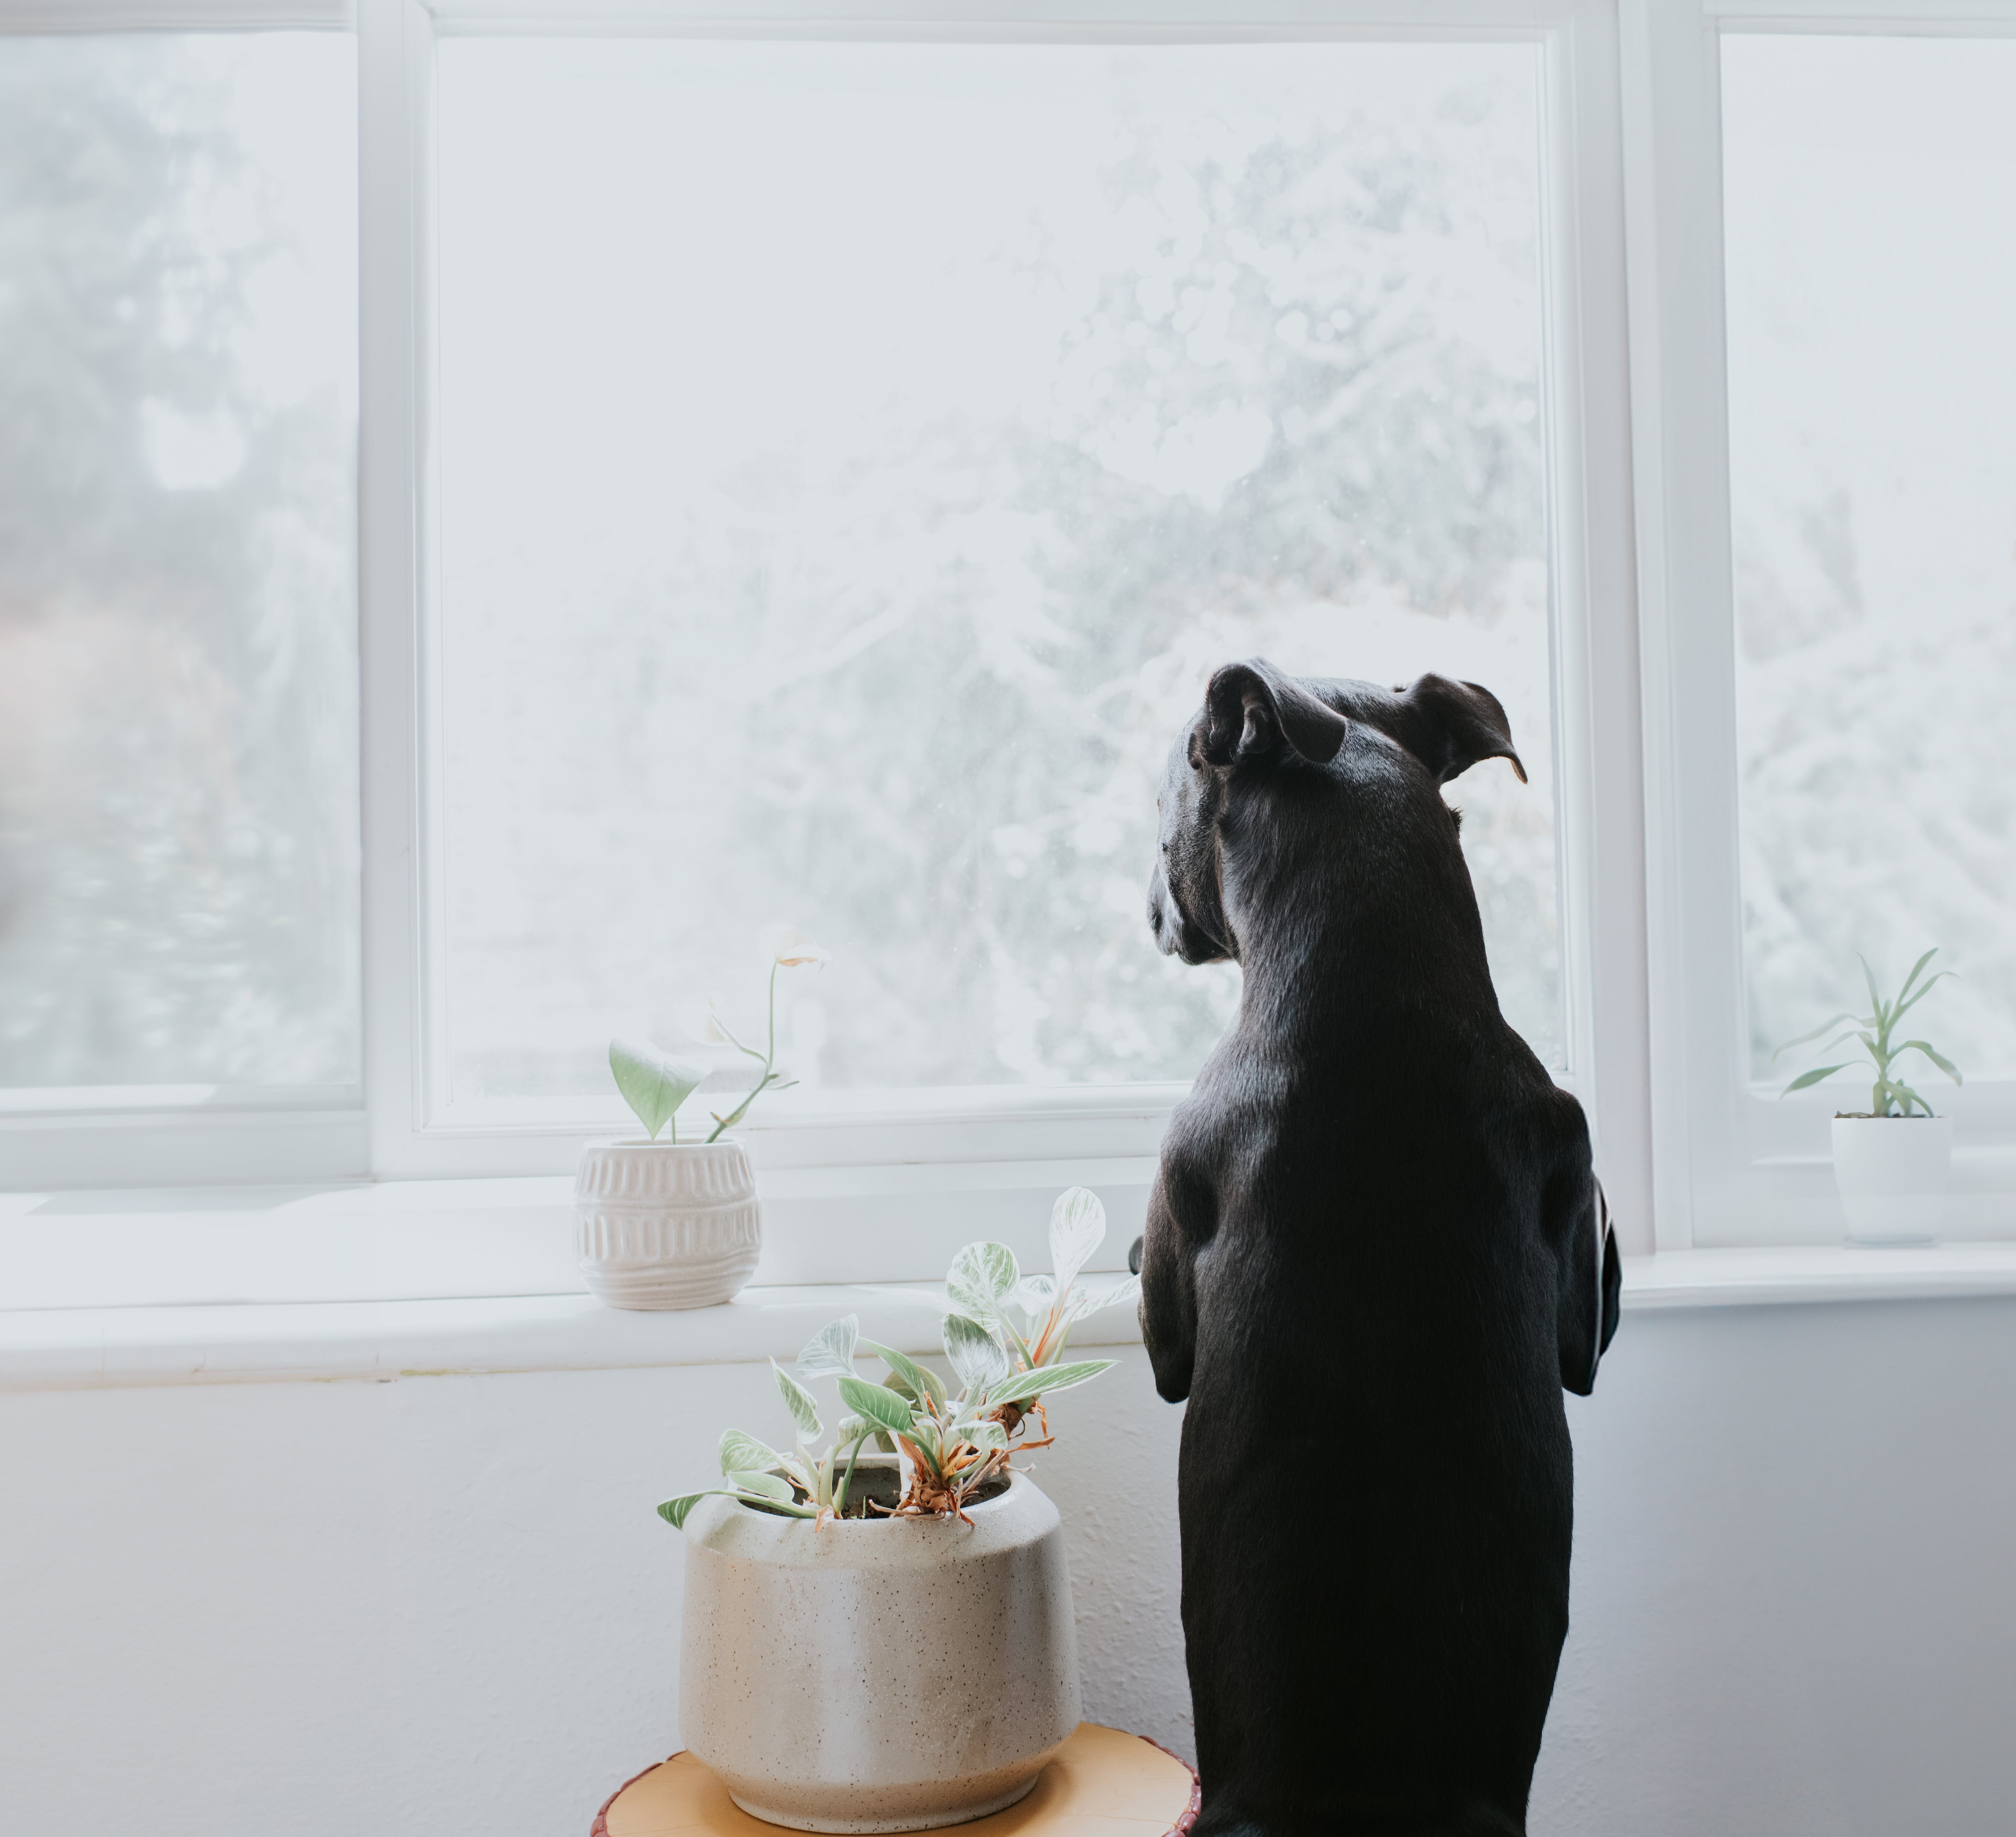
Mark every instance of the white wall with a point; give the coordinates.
(435, 1607)
(444, 1607)
(1794, 1595)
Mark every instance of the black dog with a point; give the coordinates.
(1375, 1254)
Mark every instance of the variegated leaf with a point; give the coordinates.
(1078, 1228)
(803, 1406)
(981, 1277)
(830, 1352)
(741, 1454)
(975, 1355)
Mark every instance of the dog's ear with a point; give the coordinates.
(1456, 724)
(1251, 710)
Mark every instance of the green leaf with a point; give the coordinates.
(653, 1084)
(1875, 1000)
(1938, 1059)
(880, 1405)
(981, 1277)
(765, 1485)
(1812, 1077)
(830, 1352)
(803, 1406)
(741, 1454)
(676, 1512)
(1931, 982)
(1915, 968)
(988, 1436)
(1832, 1020)
(1078, 1228)
(923, 1382)
(975, 1355)
(1045, 1379)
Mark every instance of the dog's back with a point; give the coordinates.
(1375, 1218)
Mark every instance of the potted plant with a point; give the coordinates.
(674, 1224)
(879, 1636)
(1892, 1180)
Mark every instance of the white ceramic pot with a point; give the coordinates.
(878, 1674)
(666, 1224)
(1893, 1173)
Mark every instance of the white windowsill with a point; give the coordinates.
(88, 1348)
(1817, 1272)
(82, 1349)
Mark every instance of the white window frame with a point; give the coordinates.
(863, 1143)
(1735, 1165)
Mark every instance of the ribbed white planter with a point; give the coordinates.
(666, 1224)
(1893, 1173)
(878, 1674)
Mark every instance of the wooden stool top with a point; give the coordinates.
(1102, 1784)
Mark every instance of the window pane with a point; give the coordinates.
(854, 458)
(1871, 211)
(178, 853)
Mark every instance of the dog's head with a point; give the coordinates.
(1261, 729)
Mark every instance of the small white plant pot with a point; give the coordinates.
(666, 1224)
(1893, 1173)
(878, 1673)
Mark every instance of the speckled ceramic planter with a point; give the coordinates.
(666, 1224)
(879, 1674)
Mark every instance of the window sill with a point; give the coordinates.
(1800, 1273)
(100, 1348)
(89, 1348)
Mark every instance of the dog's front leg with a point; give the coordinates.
(1168, 1290)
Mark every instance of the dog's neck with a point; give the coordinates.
(1345, 928)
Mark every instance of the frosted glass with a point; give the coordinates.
(178, 856)
(1871, 210)
(854, 458)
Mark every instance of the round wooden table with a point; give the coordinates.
(1102, 1784)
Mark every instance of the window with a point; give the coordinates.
(1871, 233)
(836, 534)
(802, 474)
(179, 899)
(1828, 517)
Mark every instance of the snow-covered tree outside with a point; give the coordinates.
(854, 458)
(1871, 188)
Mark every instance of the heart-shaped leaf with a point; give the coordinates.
(1078, 1228)
(830, 1352)
(741, 1454)
(878, 1404)
(981, 1277)
(975, 1355)
(653, 1083)
(803, 1406)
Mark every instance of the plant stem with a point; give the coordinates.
(847, 1481)
(768, 1077)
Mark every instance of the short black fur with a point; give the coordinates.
(1375, 1253)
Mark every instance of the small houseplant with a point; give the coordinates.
(673, 1224)
(879, 1636)
(1892, 1180)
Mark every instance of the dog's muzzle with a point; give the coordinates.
(1174, 934)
